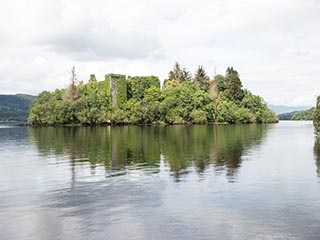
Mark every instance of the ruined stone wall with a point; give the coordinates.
(122, 89)
(117, 87)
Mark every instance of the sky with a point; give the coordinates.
(273, 44)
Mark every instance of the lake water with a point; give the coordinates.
(160, 182)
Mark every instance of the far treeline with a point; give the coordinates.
(15, 107)
(184, 98)
(310, 114)
(297, 115)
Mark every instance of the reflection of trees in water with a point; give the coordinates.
(114, 148)
(232, 142)
(182, 146)
(316, 150)
(219, 146)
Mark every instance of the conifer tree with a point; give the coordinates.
(201, 78)
(233, 84)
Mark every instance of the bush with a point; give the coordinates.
(198, 117)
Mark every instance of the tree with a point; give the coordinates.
(316, 117)
(226, 110)
(179, 74)
(177, 103)
(71, 94)
(252, 102)
(49, 109)
(140, 86)
(93, 103)
(233, 84)
(303, 115)
(201, 79)
(245, 116)
(198, 117)
(186, 75)
(219, 80)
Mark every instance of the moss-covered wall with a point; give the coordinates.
(107, 84)
(117, 87)
(122, 90)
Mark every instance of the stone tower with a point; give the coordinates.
(117, 87)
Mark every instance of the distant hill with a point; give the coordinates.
(297, 115)
(287, 109)
(15, 107)
(286, 116)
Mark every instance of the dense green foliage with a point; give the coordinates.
(15, 107)
(144, 105)
(219, 81)
(297, 115)
(140, 100)
(316, 117)
(303, 115)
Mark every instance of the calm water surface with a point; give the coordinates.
(174, 182)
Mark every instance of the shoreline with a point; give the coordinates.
(131, 124)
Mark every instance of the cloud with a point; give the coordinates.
(77, 29)
(93, 38)
(107, 43)
(273, 44)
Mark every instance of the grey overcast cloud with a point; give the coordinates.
(274, 44)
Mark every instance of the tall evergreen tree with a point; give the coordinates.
(201, 78)
(233, 84)
(186, 75)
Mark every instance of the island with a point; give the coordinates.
(183, 98)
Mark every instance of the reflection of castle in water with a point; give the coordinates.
(184, 148)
